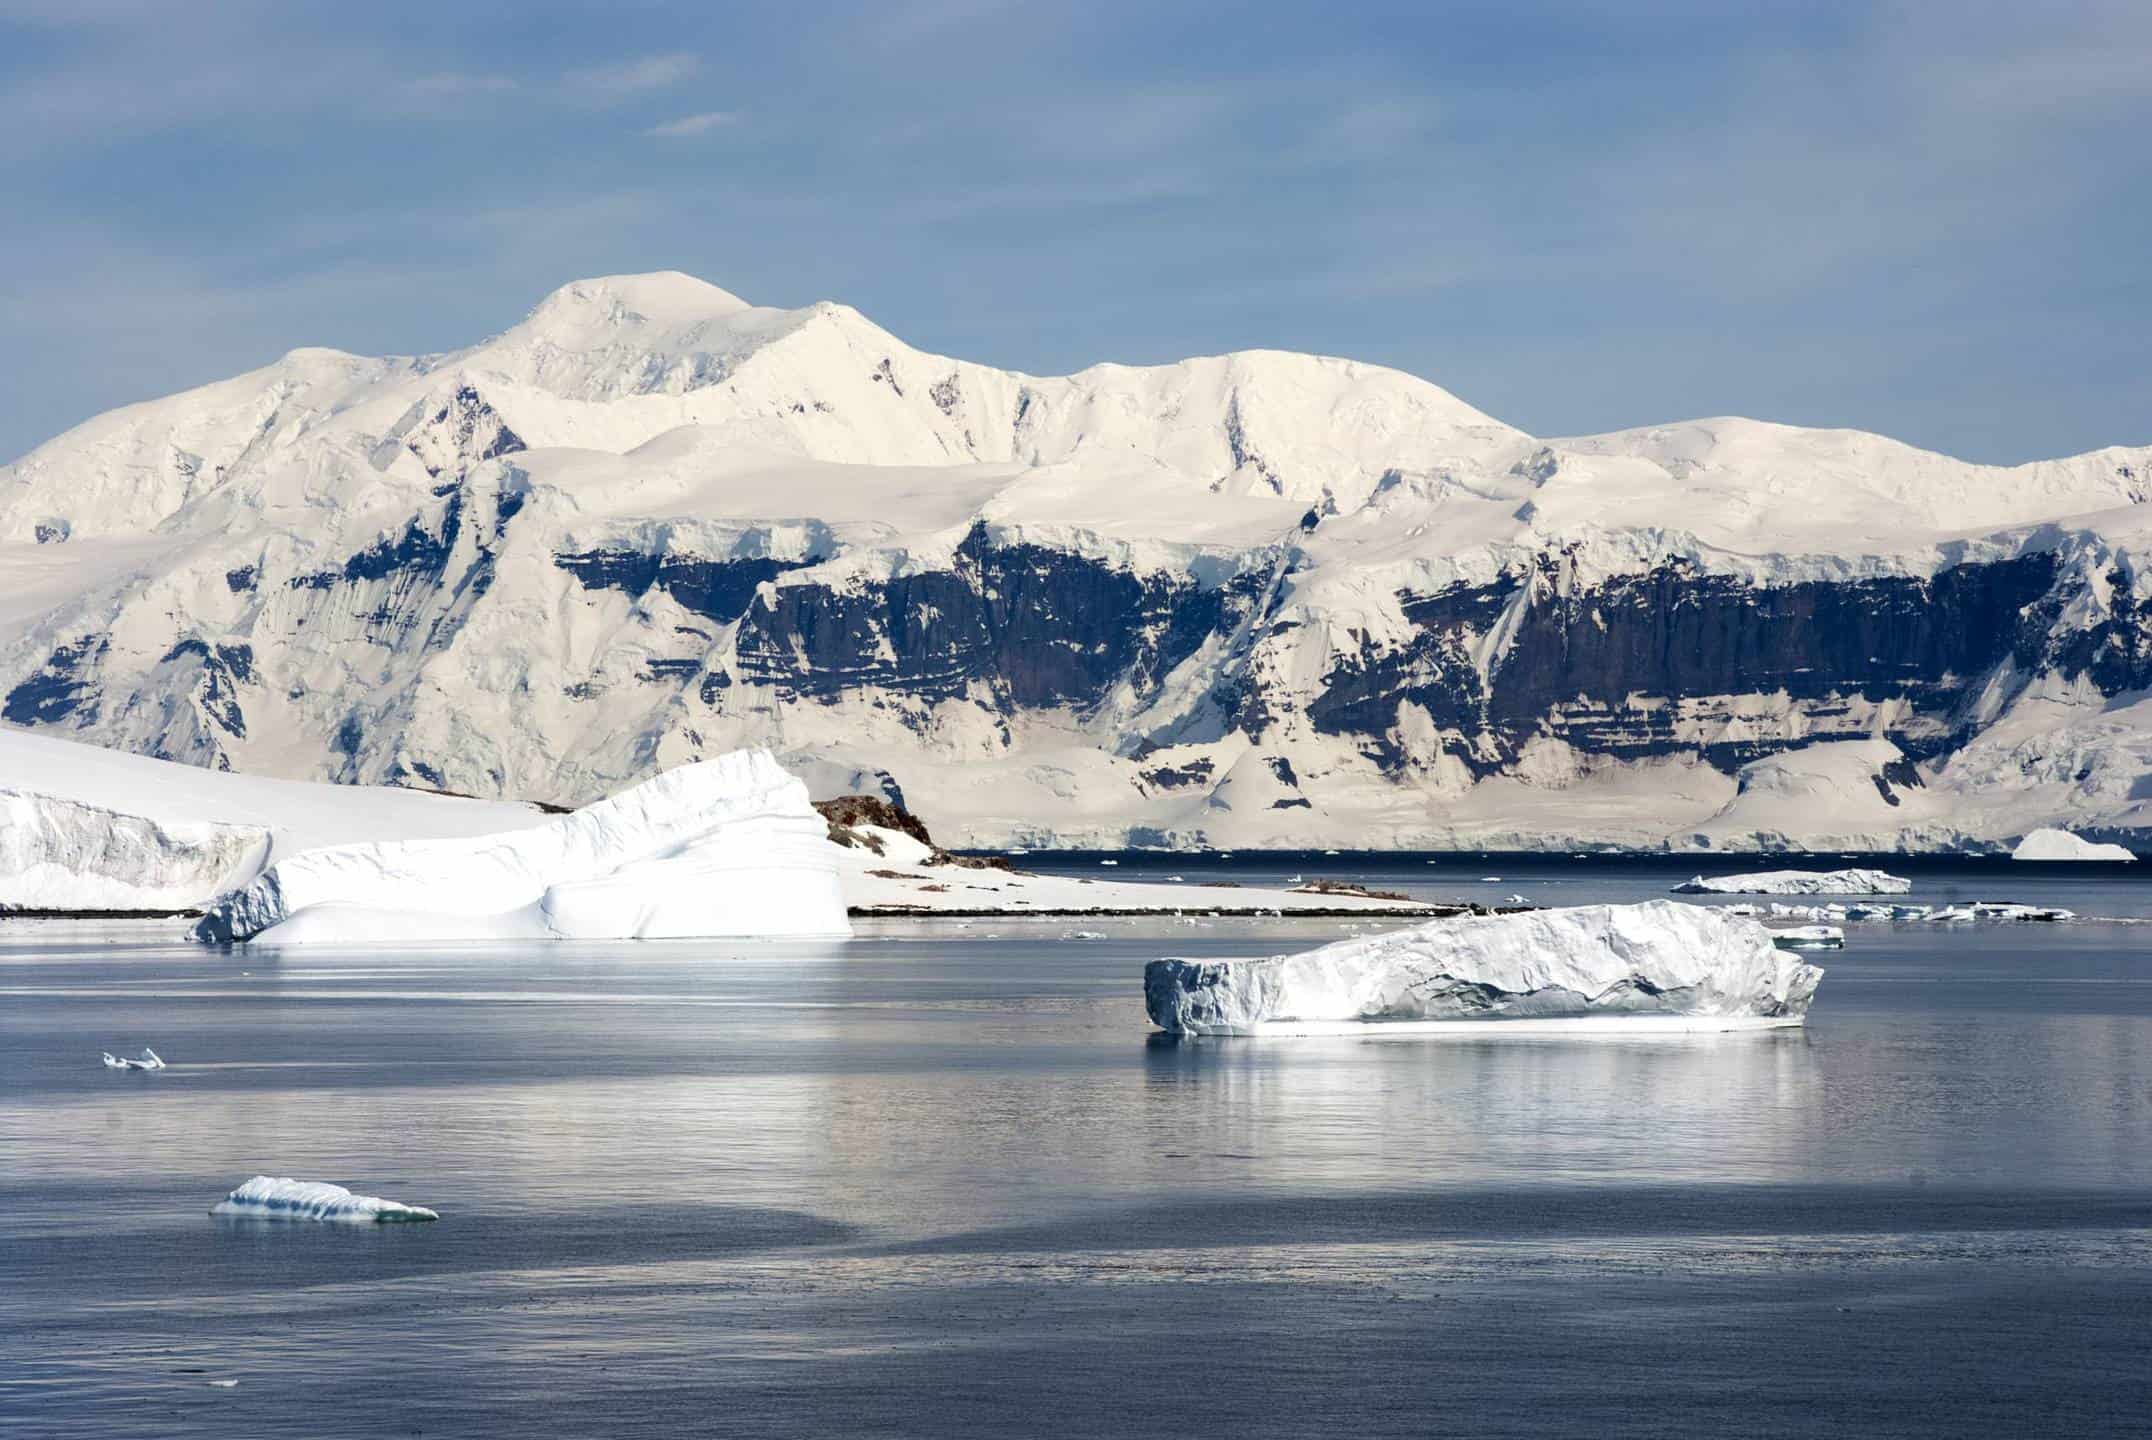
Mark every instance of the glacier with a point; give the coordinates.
(1238, 601)
(2062, 845)
(1798, 882)
(268, 1197)
(726, 847)
(66, 849)
(1661, 961)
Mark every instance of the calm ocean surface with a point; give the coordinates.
(940, 1181)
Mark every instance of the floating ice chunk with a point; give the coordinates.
(2062, 845)
(724, 848)
(1659, 959)
(266, 1197)
(150, 1060)
(1798, 882)
(1809, 937)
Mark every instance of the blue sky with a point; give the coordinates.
(1930, 220)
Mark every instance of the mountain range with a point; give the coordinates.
(1254, 600)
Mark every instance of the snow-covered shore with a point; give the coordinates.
(721, 848)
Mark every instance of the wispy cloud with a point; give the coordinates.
(689, 126)
(634, 77)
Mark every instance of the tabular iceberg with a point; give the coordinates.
(1657, 959)
(1798, 882)
(2062, 845)
(266, 1197)
(723, 848)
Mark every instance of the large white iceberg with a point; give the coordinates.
(1798, 882)
(266, 1197)
(64, 855)
(1659, 959)
(722, 848)
(2062, 845)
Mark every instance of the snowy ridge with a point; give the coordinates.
(1241, 600)
(1655, 959)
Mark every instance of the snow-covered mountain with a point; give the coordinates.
(1255, 599)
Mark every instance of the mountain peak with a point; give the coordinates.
(666, 297)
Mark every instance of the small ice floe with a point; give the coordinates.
(1490, 879)
(1083, 934)
(1519, 900)
(223, 1384)
(1810, 937)
(1109, 862)
(149, 1060)
(266, 1197)
(1798, 882)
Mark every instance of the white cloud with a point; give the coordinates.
(688, 126)
(633, 77)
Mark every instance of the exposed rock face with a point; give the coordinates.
(1258, 600)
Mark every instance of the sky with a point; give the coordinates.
(1929, 220)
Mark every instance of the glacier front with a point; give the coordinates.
(722, 848)
(1659, 959)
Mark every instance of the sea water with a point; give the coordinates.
(943, 1181)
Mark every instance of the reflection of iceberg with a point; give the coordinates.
(150, 1060)
(268, 1198)
(1657, 962)
(1799, 882)
(726, 847)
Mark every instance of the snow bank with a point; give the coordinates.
(1798, 882)
(2062, 845)
(267, 1198)
(1657, 959)
(722, 848)
(59, 854)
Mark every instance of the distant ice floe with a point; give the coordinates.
(266, 1197)
(149, 1060)
(1832, 913)
(2062, 845)
(725, 848)
(1653, 963)
(1809, 937)
(1798, 882)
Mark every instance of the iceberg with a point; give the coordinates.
(1661, 960)
(60, 855)
(723, 848)
(150, 1060)
(2062, 845)
(1798, 882)
(266, 1197)
(1809, 937)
